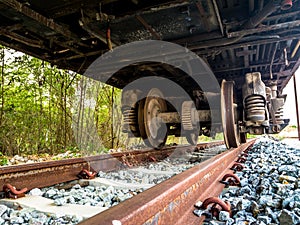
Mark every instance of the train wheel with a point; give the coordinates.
(228, 114)
(190, 122)
(141, 123)
(153, 130)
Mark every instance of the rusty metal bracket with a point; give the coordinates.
(241, 160)
(237, 167)
(217, 206)
(11, 191)
(231, 180)
(244, 154)
(85, 174)
(246, 150)
(152, 158)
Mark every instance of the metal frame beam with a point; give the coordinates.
(148, 27)
(297, 108)
(286, 25)
(50, 23)
(242, 44)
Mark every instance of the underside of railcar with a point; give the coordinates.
(250, 48)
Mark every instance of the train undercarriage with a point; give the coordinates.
(153, 116)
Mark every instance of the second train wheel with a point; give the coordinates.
(153, 130)
(228, 114)
(190, 122)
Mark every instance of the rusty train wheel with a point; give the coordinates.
(153, 130)
(228, 115)
(141, 123)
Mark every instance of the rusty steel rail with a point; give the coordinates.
(172, 201)
(43, 174)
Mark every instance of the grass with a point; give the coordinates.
(202, 138)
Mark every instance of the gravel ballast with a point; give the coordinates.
(270, 187)
(269, 192)
(95, 196)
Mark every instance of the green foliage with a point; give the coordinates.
(97, 117)
(202, 138)
(37, 106)
(3, 160)
(35, 112)
(250, 136)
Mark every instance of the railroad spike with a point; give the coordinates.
(237, 167)
(241, 160)
(218, 205)
(11, 191)
(85, 174)
(231, 180)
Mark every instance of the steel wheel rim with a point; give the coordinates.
(156, 132)
(229, 123)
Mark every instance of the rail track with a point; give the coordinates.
(44, 174)
(170, 202)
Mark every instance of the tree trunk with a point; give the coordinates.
(112, 117)
(2, 86)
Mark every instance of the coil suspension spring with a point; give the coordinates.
(255, 108)
(130, 120)
(279, 116)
